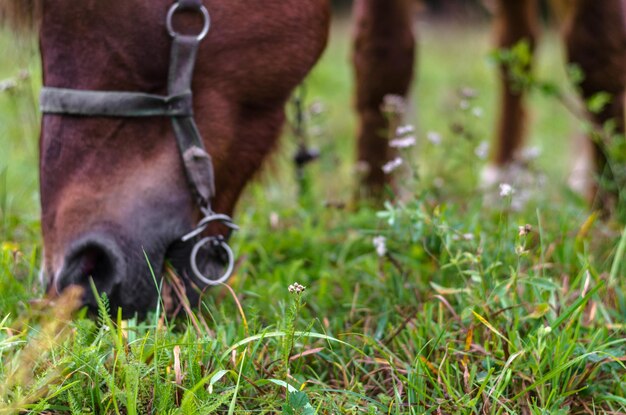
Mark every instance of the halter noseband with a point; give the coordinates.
(178, 105)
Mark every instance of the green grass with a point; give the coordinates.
(461, 315)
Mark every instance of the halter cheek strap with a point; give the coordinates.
(178, 105)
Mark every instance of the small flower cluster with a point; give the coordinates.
(8, 85)
(394, 105)
(404, 142)
(392, 165)
(467, 96)
(12, 83)
(317, 108)
(464, 237)
(525, 230)
(405, 137)
(544, 331)
(506, 190)
(434, 137)
(405, 130)
(482, 151)
(530, 154)
(380, 243)
(296, 288)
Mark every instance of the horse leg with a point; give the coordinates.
(595, 38)
(383, 57)
(514, 21)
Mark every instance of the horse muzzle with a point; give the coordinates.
(103, 263)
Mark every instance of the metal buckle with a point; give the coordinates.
(177, 6)
(218, 241)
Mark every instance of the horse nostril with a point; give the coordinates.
(96, 259)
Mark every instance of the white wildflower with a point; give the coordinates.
(296, 288)
(405, 142)
(8, 85)
(434, 137)
(520, 250)
(525, 229)
(393, 104)
(392, 165)
(506, 190)
(477, 112)
(464, 104)
(482, 151)
(317, 108)
(531, 153)
(380, 243)
(464, 237)
(544, 331)
(405, 130)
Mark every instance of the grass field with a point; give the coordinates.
(464, 312)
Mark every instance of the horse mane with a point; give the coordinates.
(20, 16)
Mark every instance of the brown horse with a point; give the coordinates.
(112, 188)
(594, 33)
(114, 191)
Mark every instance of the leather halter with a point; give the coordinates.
(178, 105)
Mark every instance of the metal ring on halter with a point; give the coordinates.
(217, 242)
(211, 217)
(205, 15)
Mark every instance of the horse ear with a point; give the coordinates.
(21, 16)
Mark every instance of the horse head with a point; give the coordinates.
(115, 198)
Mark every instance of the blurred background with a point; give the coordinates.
(454, 55)
(455, 48)
(449, 9)
(445, 8)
